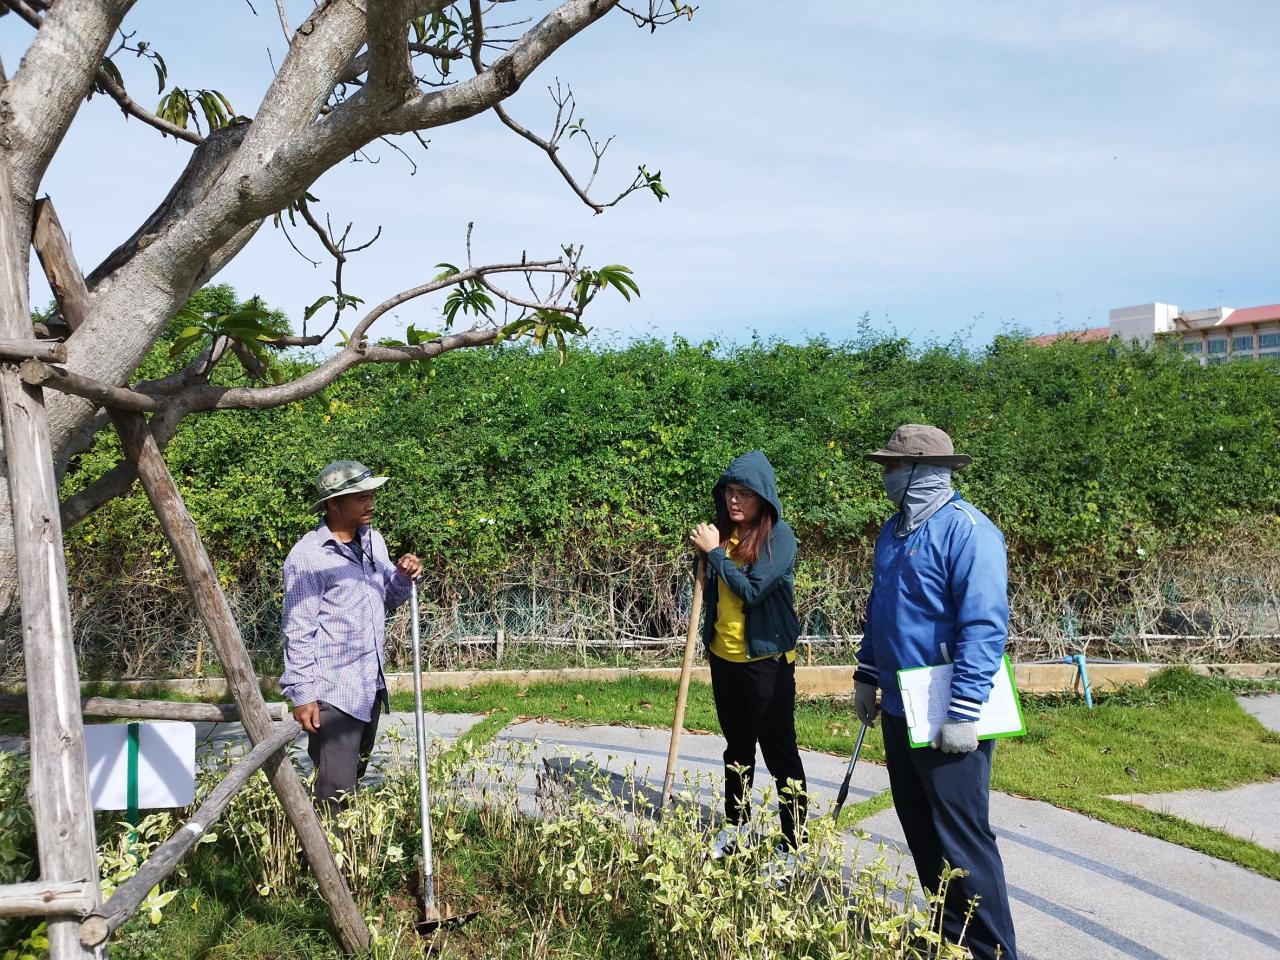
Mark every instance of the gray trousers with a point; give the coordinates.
(340, 751)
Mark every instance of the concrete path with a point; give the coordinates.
(1079, 888)
(1265, 709)
(1251, 812)
(215, 737)
(212, 739)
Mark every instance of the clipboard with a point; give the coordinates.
(926, 695)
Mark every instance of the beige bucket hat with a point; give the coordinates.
(921, 444)
(342, 477)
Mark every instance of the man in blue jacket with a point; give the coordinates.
(939, 594)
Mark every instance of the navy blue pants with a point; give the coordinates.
(942, 801)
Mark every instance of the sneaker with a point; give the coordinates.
(781, 867)
(728, 841)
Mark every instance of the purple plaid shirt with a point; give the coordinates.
(335, 611)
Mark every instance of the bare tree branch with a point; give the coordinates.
(550, 147)
(389, 71)
(128, 105)
(206, 165)
(359, 66)
(24, 11)
(351, 124)
(284, 21)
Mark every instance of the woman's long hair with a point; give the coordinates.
(750, 539)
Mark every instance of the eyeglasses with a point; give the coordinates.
(739, 496)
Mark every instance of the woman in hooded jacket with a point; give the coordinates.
(750, 633)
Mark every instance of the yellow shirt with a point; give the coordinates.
(731, 621)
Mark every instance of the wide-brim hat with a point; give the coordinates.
(342, 477)
(919, 443)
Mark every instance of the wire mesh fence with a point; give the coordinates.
(1219, 607)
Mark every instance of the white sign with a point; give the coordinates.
(165, 768)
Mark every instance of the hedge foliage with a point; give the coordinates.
(1092, 458)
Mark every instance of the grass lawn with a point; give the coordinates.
(1180, 731)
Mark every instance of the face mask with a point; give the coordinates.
(917, 490)
(895, 482)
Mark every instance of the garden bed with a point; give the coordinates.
(574, 873)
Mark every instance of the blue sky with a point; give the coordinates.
(947, 168)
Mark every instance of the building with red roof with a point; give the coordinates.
(1209, 336)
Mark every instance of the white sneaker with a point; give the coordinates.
(782, 867)
(727, 841)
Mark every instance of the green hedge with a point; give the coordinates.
(1090, 457)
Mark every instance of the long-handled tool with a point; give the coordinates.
(682, 695)
(432, 918)
(843, 795)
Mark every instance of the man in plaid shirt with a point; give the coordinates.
(339, 586)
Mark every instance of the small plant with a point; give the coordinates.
(579, 867)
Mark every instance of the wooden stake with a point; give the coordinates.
(202, 582)
(682, 695)
(19, 349)
(103, 394)
(150, 709)
(43, 898)
(59, 777)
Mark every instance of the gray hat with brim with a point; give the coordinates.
(343, 477)
(918, 443)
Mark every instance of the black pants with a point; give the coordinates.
(340, 751)
(756, 703)
(942, 800)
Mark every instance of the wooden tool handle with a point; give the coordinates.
(682, 695)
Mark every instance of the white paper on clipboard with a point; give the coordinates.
(926, 696)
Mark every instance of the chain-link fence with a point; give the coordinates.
(1214, 608)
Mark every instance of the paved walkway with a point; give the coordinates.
(1265, 709)
(214, 738)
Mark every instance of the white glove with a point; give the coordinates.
(864, 703)
(957, 736)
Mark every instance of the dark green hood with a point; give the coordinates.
(753, 471)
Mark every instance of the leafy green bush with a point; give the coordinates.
(1112, 471)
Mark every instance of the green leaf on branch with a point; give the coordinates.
(113, 72)
(653, 181)
(162, 72)
(613, 275)
(619, 277)
(416, 337)
(467, 297)
(188, 336)
(310, 312)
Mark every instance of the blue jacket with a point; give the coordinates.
(945, 585)
(765, 587)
